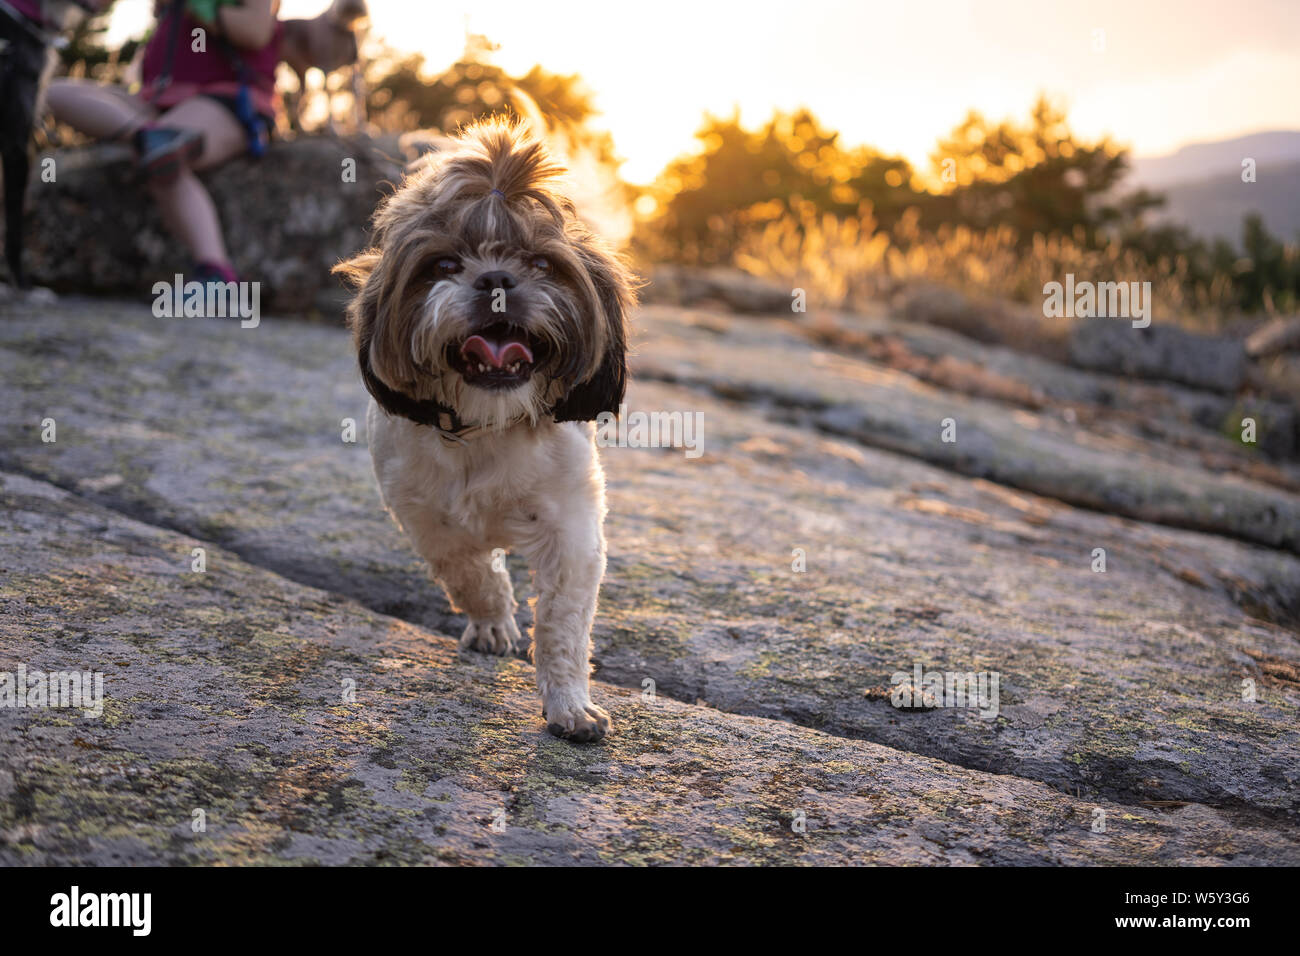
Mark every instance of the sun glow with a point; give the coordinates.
(893, 76)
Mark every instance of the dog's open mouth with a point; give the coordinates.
(500, 356)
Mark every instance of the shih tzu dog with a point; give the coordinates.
(490, 327)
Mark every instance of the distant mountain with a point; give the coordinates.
(1201, 161)
(1203, 188)
(1215, 206)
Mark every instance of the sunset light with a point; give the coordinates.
(690, 434)
(893, 76)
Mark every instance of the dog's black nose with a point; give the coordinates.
(489, 281)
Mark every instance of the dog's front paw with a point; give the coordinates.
(580, 721)
(500, 636)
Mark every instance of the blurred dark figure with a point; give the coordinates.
(29, 32)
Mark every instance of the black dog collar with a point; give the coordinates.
(423, 411)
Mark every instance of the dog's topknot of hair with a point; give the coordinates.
(500, 157)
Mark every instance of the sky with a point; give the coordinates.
(896, 76)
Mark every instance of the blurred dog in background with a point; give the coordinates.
(326, 43)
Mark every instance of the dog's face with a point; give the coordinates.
(486, 293)
(61, 15)
(347, 12)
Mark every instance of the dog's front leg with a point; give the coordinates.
(485, 596)
(470, 576)
(567, 557)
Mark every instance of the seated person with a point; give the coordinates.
(196, 109)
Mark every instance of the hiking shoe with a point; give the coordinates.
(206, 272)
(222, 292)
(161, 151)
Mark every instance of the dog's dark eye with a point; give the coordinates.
(446, 266)
(541, 263)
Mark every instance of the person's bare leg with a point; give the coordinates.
(97, 110)
(191, 216)
(186, 207)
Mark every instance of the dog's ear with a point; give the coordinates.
(356, 270)
(363, 272)
(385, 365)
(608, 302)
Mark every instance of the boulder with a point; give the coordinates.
(1161, 352)
(747, 687)
(729, 288)
(287, 218)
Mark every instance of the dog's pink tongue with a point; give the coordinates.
(496, 354)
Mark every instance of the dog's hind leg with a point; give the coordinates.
(297, 104)
(360, 119)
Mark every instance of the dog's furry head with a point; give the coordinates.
(485, 292)
(347, 12)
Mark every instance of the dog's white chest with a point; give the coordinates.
(489, 489)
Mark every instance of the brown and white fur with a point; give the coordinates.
(485, 294)
(327, 43)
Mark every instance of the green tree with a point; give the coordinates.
(403, 96)
(1269, 274)
(86, 53)
(740, 178)
(1035, 177)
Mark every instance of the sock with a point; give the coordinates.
(218, 270)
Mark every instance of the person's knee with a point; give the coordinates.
(57, 93)
(220, 146)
